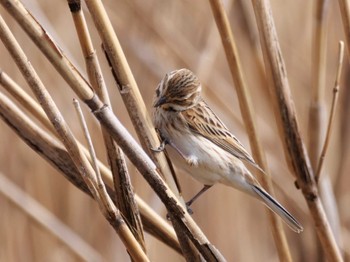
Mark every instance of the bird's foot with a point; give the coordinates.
(161, 147)
(189, 210)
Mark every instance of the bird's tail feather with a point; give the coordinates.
(276, 207)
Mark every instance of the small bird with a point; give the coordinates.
(199, 142)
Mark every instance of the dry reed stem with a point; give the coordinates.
(61, 160)
(148, 170)
(50, 49)
(110, 211)
(340, 184)
(214, 99)
(48, 221)
(42, 96)
(316, 111)
(187, 55)
(319, 49)
(122, 182)
(132, 98)
(189, 251)
(25, 100)
(332, 113)
(24, 128)
(130, 92)
(131, 148)
(294, 148)
(52, 151)
(52, 52)
(247, 116)
(67, 138)
(155, 224)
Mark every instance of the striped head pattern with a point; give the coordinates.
(179, 90)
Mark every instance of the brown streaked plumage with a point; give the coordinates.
(201, 144)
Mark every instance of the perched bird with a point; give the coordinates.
(200, 143)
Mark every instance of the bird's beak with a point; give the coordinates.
(161, 101)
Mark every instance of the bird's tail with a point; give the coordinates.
(276, 207)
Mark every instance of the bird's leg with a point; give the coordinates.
(191, 160)
(190, 202)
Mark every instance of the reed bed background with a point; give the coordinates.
(158, 36)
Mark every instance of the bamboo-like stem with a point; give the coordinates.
(65, 164)
(57, 156)
(285, 114)
(332, 113)
(177, 46)
(130, 92)
(44, 218)
(122, 182)
(340, 184)
(147, 168)
(110, 211)
(316, 112)
(156, 224)
(43, 97)
(319, 49)
(188, 250)
(247, 116)
(252, 34)
(316, 125)
(130, 147)
(132, 97)
(52, 51)
(67, 137)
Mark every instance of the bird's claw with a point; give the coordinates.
(158, 149)
(161, 147)
(189, 210)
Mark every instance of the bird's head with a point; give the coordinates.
(179, 90)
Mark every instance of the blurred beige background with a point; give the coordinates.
(158, 36)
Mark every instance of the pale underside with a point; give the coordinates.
(209, 152)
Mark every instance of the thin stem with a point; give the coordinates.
(122, 182)
(106, 204)
(247, 116)
(50, 49)
(54, 153)
(130, 92)
(294, 148)
(47, 220)
(332, 113)
(131, 148)
(157, 225)
(316, 111)
(65, 134)
(84, 127)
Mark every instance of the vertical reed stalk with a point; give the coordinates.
(122, 183)
(286, 119)
(130, 91)
(247, 116)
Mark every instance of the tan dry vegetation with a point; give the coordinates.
(158, 36)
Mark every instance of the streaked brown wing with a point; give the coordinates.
(203, 121)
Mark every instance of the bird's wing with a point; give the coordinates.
(203, 121)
